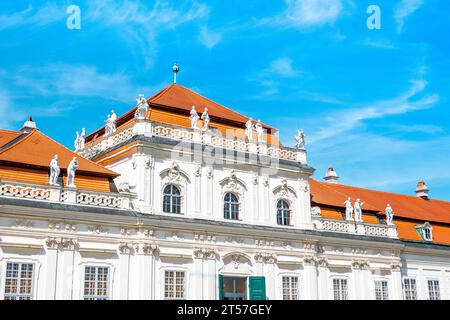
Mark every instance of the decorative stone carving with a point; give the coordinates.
(25, 224)
(124, 232)
(323, 262)
(61, 243)
(194, 118)
(316, 212)
(110, 126)
(198, 171)
(284, 192)
(235, 241)
(348, 209)
(206, 119)
(54, 171)
(236, 259)
(309, 261)
(204, 253)
(149, 249)
(249, 128)
(80, 140)
(209, 172)
(52, 243)
(360, 265)
(358, 210)
(389, 215)
(265, 181)
(259, 131)
(125, 248)
(141, 107)
(71, 169)
(69, 244)
(262, 257)
(304, 185)
(255, 179)
(396, 266)
(97, 229)
(300, 140)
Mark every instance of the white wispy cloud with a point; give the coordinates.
(9, 113)
(209, 38)
(141, 23)
(77, 80)
(307, 13)
(41, 16)
(344, 121)
(404, 9)
(283, 67)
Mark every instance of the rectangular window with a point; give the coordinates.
(433, 290)
(96, 283)
(19, 281)
(340, 289)
(381, 290)
(174, 285)
(410, 289)
(290, 288)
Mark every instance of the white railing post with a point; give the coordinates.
(55, 193)
(70, 195)
(143, 127)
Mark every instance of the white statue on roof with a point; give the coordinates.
(389, 215)
(249, 129)
(206, 119)
(71, 169)
(348, 209)
(300, 139)
(142, 107)
(194, 118)
(80, 140)
(110, 127)
(358, 210)
(259, 131)
(54, 171)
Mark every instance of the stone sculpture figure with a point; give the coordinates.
(194, 118)
(249, 129)
(142, 107)
(389, 215)
(80, 140)
(54, 171)
(259, 131)
(348, 209)
(358, 210)
(110, 127)
(300, 139)
(206, 119)
(71, 169)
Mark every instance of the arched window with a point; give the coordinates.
(283, 213)
(231, 206)
(172, 199)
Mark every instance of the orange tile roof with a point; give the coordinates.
(37, 150)
(7, 136)
(179, 97)
(410, 207)
(179, 101)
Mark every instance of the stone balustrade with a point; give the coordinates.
(353, 227)
(211, 138)
(65, 195)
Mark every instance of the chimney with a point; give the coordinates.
(29, 125)
(422, 190)
(331, 176)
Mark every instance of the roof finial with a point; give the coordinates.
(29, 125)
(175, 69)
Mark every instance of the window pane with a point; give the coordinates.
(434, 290)
(96, 283)
(19, 281)
(381, 290)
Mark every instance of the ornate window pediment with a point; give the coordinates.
(284, 191)
(233, 190)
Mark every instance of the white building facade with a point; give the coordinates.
(197, 216)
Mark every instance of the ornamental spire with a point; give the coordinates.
(175, 70)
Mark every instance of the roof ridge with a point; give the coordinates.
(16, 141)
(78, 155)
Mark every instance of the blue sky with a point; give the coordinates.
(374, 103)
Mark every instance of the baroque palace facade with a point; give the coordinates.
(166, 203)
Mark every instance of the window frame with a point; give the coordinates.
(108, 282)
(17, 296)
(439, 294)
(384, 294)
(185, 284)
(299, 283)
(416, 295)
(237, 203)
(347, 291)
(288, 210)
(171, 197)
